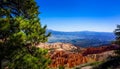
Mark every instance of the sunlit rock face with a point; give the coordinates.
(57, 46)
(68, 59)
(68, 55)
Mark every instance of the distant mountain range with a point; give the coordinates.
(82, 38)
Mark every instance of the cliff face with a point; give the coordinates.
(68, 59)
(57, 46)
(98, 50)
(68, 55)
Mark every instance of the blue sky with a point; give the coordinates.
(80, 15)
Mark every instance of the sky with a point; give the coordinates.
(80, 15)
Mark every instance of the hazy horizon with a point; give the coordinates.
(79, 31)
(80, 15)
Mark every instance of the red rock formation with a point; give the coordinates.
(69, 55)
(68, 59)
(57, 46)
(101, 49)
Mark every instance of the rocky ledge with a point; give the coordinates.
(57, 46)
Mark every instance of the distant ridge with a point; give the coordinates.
(50, 30)
(82, 38)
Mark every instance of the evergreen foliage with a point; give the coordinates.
(117, 33)
(20, 32)
(112, 62)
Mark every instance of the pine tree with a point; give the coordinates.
(117, 33)
(20, 32)
(112, 62)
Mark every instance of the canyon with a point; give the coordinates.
(68, 55)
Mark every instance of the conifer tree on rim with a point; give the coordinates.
(117, 33)
(20, 31)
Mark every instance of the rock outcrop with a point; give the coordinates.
(57, 46)
(100, 49)
(68, 59)
(68, 55)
